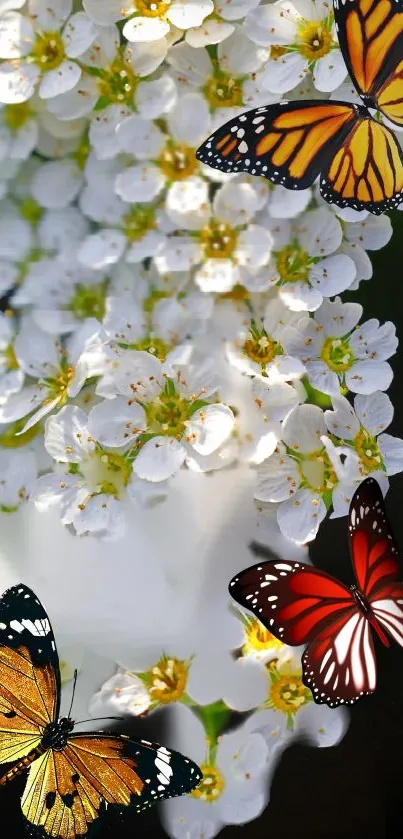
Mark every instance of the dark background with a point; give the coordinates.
(354, 790)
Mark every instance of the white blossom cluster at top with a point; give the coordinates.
(161, 315)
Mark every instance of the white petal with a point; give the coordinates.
(338, 318)
(157, 97)
(333, 274)
(211, 32)
(375, 412)
(319, 232)
(217, 275)
(322, 726)
(78, 34)
(140, 137)
(391, 449)
(277, 479)
(284, 73)
(246, 685)
(329, 71)
(342, 421)
(101, 249)
(268, 25)
(56, 184)
(140, 183)
(66, 435)
(300, 297)
(300, 517)
(186, 13)
(55, 82)
(367, 376)
(209, 427)
(20, 404)
(116, 423)
(159, 458)
(101, 515)
(17, 84)
(303, 428)
(285, 203)
(145, 29)
(322, 378)
(104, 11)
(16, 35)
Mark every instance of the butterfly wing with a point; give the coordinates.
(288, 143)
(366, 173)
(67, 789)
(29, 673)
(297, 603)
(300, 604)
(375, 557)
(370, 33)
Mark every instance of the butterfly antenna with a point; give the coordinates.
(99, 719)
(74, 690)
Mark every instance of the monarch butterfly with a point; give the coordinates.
(359, 160)
(71, 776)
(300, 604)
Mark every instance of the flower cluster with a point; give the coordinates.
(161, 319)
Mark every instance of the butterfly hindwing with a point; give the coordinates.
(67, 789)
(29, 673)
(289, 143)
(367, 170)
(375, 557)
(342, 667)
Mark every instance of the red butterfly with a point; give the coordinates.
(300, 604)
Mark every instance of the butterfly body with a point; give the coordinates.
(71, 776)
(356, 157)
(300, 604)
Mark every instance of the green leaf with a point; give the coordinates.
(101, 104)
(213, 718)
(196, 405)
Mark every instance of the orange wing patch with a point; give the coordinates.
(390, 96)
(367, 172)
(65, 788)
(369, 32)
(27, 702)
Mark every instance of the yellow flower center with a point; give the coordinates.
(211, 785)
(118, 82)
(317, 473)
(259, 639)
(168, 413)
(153, 345)
(166, 681)
(366, 447)
(218, 239)
(48, 51)
(105, 473)
(57, 386)
(259, 347)
(314, 39)
(288, 693)
(152, 8)
(336, 353)
(293, 264)
(15, 116)
(177, 161)
(138, 221)
(222, 90)
(89, 301)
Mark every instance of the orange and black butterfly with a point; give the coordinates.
(72, 777)
(358, 159)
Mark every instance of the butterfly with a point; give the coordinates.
(72, 776)
(300, 604)
(358, 159)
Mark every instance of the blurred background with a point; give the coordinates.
(353, 790)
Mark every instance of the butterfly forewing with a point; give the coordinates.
(29, 673)
(370, 33)
(288, 143)
(296, 602)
